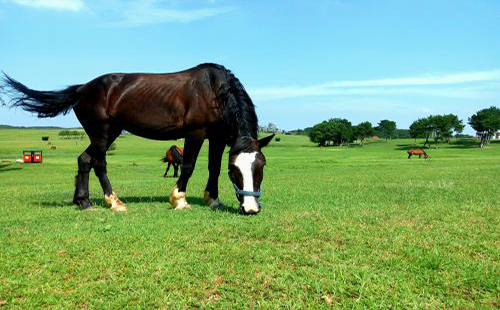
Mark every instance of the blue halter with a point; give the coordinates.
(245, 193)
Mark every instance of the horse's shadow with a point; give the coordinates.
(96, 202)
(193, 200)
(5, 167)
(465, 144)
(57, 204)
(406, 147)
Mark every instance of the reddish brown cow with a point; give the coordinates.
(417, 152)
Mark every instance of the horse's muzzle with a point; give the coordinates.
(250, 210)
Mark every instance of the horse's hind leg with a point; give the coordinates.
(166, 171)
(215, 152)
(81, 197)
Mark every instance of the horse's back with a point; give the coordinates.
(415, 152)
(157, 106)
(174, 154)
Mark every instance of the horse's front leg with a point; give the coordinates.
(177, 197)
(215, 151)
(166, 171)
(176, 170)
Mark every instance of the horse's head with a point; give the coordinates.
(246, 171)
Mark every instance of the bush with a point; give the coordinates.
(71, 134)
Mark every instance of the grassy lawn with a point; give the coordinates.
(357, 227)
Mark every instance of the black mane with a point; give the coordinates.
(238, 110)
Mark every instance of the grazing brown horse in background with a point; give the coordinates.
(173, 157)
(204, 102)
(417, 152)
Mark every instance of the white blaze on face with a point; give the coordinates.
(244, 162)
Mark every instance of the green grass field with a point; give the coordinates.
(357, 227)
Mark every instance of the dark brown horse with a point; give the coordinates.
(204, 102)
(420, 153)
(173, 157)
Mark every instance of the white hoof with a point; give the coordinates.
(115, 204)
(178, 199)
(213, 203)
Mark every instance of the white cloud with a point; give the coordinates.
(130, 12)
(455, 78)
(143, 12)
(291, 92)
(430, 85)
(147, 15)
(60, 5)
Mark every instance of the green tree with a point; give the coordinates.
(440, 127)
(335, 131)
(362, 131)
(386, 128)
(402, 133)
(64, 134)
(420, 129)
(319, 133)
(342, 131)
(486, 122)
(270, 128)
(445, 125)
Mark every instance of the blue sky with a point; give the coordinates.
(302, 61)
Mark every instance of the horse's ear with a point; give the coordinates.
(265, 141)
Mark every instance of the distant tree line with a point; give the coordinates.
(271, 128)
(338, 131)
(72, 134)
(438, 128)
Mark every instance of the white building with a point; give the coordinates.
(496, 135)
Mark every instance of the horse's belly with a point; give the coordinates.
(155, 134)
(152, 120)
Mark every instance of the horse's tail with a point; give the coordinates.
(177, 155)
(43, 103)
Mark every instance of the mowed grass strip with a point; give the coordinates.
(343, 227)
